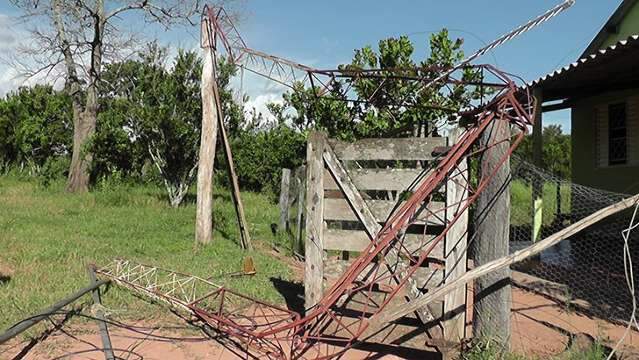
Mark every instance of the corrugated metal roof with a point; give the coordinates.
(598, 55)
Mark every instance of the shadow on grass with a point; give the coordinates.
(293, 293)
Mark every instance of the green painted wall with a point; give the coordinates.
(621, 178)
(629, 26)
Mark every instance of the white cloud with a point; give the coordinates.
(8, 41)
(261, 91)
(8, 36)
(8, 80)
(259, 104)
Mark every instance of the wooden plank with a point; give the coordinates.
(387, 149)
(314, 247)
(354, 200)
(245, 238)
(301, 189)
(340, 209)
(378, 179)
(285, 185)
(455, 247)
(354, 240)
(425, 278)
(393, 313)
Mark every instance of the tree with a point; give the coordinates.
(156, 112)
(386, 108)
(35, 126)
(81, 36)
(555, 152)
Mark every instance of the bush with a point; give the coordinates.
(54, 168)
(35, 126)
(260, 155)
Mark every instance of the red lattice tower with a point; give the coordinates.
(327, 330)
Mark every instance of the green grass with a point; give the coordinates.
(47, 237)
(489, 350)
(521, 202)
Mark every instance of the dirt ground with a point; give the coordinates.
(85, 343)
(542, 326)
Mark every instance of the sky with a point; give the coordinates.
(325, 33)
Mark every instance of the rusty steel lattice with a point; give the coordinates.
(377, 280)
(218, 25)
(328, 328)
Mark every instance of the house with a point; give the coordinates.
(602, 90)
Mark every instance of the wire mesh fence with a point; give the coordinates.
(575, 296)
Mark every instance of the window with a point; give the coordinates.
(617, 147)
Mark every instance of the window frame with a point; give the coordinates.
(617, 134)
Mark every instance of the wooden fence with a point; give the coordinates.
(291, 204)
(379, 171)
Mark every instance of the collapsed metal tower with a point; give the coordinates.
(349, 309)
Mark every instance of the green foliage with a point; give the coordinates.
(261, 154)
(148, 127)
(521, 203)
(489, 350)
(556, 151)
(596, 352)
(35, 127)
(151, 123)
(387, 108)
(152, 114)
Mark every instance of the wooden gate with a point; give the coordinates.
(346, 181)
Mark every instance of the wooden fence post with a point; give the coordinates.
(314, 244)
(284, 199)
(300, 177)
(204, 202)
(455, 253)
(491, 315)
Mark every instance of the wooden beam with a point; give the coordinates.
(341, 209)
(380, 179)
(424, 276)
(537, 127)
(537, 182)
(387, 149)
(300, 177)
(314, 246)
(559, 106)
(378, 321)
(455, 252)
(208, 137)
(357, 240)
(491, 307)
(245, 238)
(285, 185)
(358, 205)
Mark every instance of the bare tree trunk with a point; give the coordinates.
(204, 205)
(492, 220)
(84, 123)
(83, 129)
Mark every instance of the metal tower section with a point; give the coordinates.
(261, 330)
